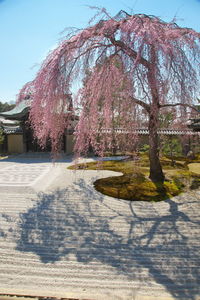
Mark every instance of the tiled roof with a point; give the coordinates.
(18, 111)
(145, 131)
(4, 121)
(12, 129)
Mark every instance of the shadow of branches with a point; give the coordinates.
(131, 237)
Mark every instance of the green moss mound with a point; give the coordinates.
(134, 184)
(136, 188)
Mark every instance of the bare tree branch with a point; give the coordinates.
(141, 103)
(128, 50)
(179, 104)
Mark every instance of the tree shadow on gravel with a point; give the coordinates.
(128, 236)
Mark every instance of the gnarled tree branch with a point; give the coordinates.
(141, 103)
(130, 52)
(178, 104)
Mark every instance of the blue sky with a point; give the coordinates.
(30, 28)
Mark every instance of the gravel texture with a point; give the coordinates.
(61, 238)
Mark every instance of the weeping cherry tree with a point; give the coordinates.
(146, 65)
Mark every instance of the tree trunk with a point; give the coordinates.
(156, 173)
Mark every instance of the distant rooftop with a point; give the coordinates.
(18, 112)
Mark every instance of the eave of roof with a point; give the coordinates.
(18, 112)
(8, 122)
(12, 129)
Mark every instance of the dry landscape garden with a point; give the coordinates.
(137, 71)
(122, 95)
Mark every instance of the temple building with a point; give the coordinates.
(19, 135)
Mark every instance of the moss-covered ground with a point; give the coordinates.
(135, 185)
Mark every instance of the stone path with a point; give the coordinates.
(67, 240)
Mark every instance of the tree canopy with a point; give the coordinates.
(133, 61)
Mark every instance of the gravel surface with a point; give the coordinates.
(61, 238)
